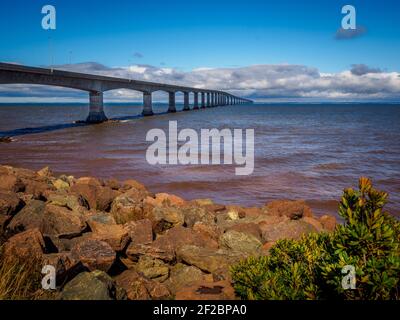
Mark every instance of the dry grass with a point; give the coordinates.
(21, 280)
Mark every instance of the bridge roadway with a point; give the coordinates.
(96, 85)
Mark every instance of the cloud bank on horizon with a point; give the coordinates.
(263, 83)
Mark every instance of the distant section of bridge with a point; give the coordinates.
(96, 85)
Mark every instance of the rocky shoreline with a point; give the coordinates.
(116, 240)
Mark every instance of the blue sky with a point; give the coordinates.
(185, 35)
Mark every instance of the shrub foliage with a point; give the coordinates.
(311, 268)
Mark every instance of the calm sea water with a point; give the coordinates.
(309, 152)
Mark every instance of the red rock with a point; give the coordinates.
(328, 222)
(45, 172)
(4, 220)
(62, 262)
(248, 228)
(158, 250)
(140, 231)
(89, 181)
(253, 212)
(115, 235)
(140, 288)
(113, 184)
(292, 209)
(169, 199)
(206, 230)
(94, 254)
(98, 197)
(125, 209)
(10, 182)
(37, 187)
(291, 229)
(10, 203)
(221, 290)
(314, 222)
(26, 245)
(30, 217)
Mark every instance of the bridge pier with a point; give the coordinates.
(147, 104)
(208, 100)
(196, 101)
(172, 106)
(203, 100)
(96, 108)
(186, 101)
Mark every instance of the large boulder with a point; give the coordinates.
(249, 228)
(208, 260)
(221, 290)
(292, 229)
(164, 218)
(30, 217)
(195, 214)
(165, 199)
(10, 182)
(241, 242)
(52, 220)
(94, 254)
(97, 196)
(292, 209)
(69, 201)
(328, 222)
(125, 208)
(139, 288)
(182, 275)
(95, 285)
(25, 246)
(140, 231)
(152, 268)
(65, 265)
(157, 250)
(10, 203)
(114, 234)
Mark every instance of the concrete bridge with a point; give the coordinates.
(97, 85)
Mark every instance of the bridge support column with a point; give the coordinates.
(186, 101)
(96, 108)
(208, 100)
(213, 99)
(196, 101)
(171, 107)
(147, 104)
(203, 100)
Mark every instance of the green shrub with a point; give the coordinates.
(311, 268)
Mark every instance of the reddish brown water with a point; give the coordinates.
(307, 152)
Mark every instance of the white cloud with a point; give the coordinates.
(282, 82)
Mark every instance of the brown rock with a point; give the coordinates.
(27, 245)
(89, 181)
(158, 250)
(45, 172)
(240, 242)
(113, 184)
(140, 288)
(125, 209)
(253, 212)
(61, 222)
(10, 182)
(37, 187)
(208, 260)
(152, 268)
(314, 222)
(94, 254)
(10, 203)
(292, 209)
(248, 228)
(169, 200)
(164, 218)
(30, 217)
(115, 235)
(221, 290)
(292, 229)
(194, 214)
(182, 275)
(328, 222)
(140, 231)
(4, 220)
(98, 197)
(208, 231)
